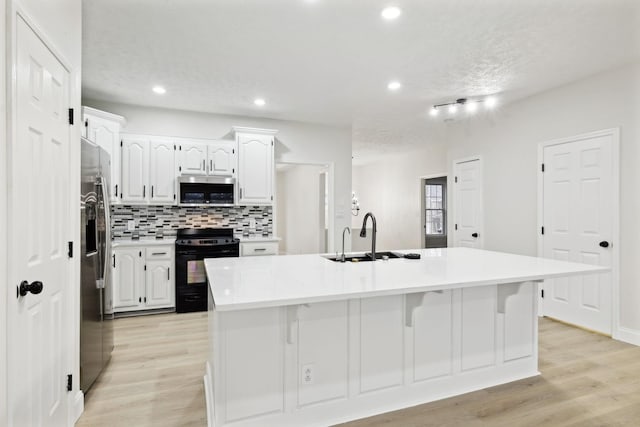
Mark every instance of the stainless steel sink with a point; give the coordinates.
(365, 257)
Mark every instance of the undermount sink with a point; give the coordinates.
(365, 257)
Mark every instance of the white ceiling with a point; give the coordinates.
(329, 61)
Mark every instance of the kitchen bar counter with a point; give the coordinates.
(304, 341)
(243, 283)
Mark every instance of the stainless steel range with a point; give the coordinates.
(193, 245)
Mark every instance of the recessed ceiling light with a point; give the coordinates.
(394, 85)
(434, 111)
(490, 102)
(159, 90)
(453, 109)
(471, 107)
(391, 12)
(260, 102)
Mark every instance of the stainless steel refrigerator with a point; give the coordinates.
(96, 307)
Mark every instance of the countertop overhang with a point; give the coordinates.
(272, 281)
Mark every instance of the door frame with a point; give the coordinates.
(423, 225)
(330, 243)
(453, 197)
(614, 133)
(75, 397)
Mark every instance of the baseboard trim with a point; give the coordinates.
(630, 336)
(78, 406)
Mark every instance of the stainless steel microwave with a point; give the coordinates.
(196, 190)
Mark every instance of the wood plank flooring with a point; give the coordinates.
(155, 379)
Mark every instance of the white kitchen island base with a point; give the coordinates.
(324, 363)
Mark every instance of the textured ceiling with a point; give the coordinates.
(329, 61)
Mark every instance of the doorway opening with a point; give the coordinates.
(434, 212)
(302, 208)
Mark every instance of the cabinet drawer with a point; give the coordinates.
(258, 248)
(159, 252)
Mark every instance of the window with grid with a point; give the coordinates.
(435, 209)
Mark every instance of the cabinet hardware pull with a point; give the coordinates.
(152, 191)
(168, 273)
(145, 299)
(241, 192)
(203, 164)
(144, 191)
(139, 299)
(116, 190)
(158, 253)
(114, 260)
(259, 249)
(211, 165)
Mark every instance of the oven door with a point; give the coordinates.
(191, 277)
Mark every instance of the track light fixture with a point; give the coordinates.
(470, 105)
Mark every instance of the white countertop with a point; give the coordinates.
(259, 239)
(144, 242)
(271, 281)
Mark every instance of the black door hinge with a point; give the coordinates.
(542, 230)
(69, 382)
(455, 179)
(542, 167)
(542, 293)
(71, 116)
(120, 143)
(145, 267)
(70, 250)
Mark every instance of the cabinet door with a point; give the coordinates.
(162, 178)
(222, 158)
(255, 169)
(159, 284)
(135, 172)
(128, 277)
(106, 134)
(193, 158)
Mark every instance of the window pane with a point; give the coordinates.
(433, 196)
(434, 222)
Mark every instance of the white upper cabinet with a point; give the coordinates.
(162, 178)
(207, 157)
(222, 158)
(255, 166)
(104, 129)
(193, 158)
(135, 170)
(148, 170)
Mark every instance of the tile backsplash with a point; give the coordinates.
(150, 220)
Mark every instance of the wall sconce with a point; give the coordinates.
(355, 204)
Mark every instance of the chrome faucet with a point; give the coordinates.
(363, 233)
(342, 258)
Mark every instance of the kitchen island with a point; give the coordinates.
(305, 341)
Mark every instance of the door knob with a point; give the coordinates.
(604, 244)
(474, 235)
(33, 287)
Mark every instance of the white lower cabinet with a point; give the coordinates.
(258, 248)
(143, 277)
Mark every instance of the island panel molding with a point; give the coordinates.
(302, 340)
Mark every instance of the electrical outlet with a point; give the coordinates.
(252, 223)
(308, 373)
(131, 225)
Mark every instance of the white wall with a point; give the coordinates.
(3, 215)
(297, 214)
(59, 23)
(296, 142)
(508, 142)
(391, 188)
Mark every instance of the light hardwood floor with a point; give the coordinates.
(155, 379)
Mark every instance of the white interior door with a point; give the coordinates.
(39, 202)
(467, 187)
(578, 226)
